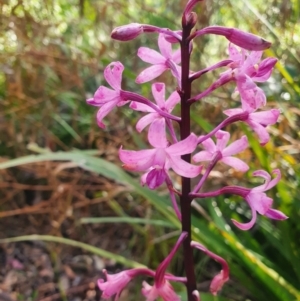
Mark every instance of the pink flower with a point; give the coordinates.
(247, 70)
(162, 288)
(157, 161)
(258, 121)
(160, 61)
(106, 98)
(211, 149)
(259, 201)
(165, 291)
(114, 283)
(221, 278)
(154, 118)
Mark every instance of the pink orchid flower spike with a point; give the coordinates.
(211, 149)
(153, 118)
(157, 161)
(106, 98)
(260, 202)
(161, 62)
(161, 287)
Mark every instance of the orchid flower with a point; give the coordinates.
(211, 149)
(153, 118)
(219, 280)
(247, 70)
(161, 287)
(106, 98)
(115, 283)
(258, 121)
(260, 202)
(157, 161)
(161, 62)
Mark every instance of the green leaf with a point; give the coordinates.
(77, 244)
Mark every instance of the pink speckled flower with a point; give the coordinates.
(246, 70)
(157, 161)
(161, 62)
(153, 118)
(259, 201)
(114, 284)
(106, 98)
(258, 121)
(211, 149)
(161, 287)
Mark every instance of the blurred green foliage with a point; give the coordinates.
(52, 57)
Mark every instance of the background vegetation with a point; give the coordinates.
(52, 56)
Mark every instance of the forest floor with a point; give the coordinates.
(49, 198)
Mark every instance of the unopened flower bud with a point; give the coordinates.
(247, 40)
(127, 32)
(191, 19)
(188, 14)
(238, 37)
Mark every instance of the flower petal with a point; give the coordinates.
(244, 82)
(183, 168)
(137, 160)
(150, 292)
(236, 163)
(183, 147)
(246, 226)
(155, 178)
(164, 46)
(113, 74)
(275, 214)
(234, 54)
(157, 133)
(158, 91)
(236, 147)
(103, 111)
(172, 101)
(259, 201)
(268, 182)
(203, 156)
(261, 132)
(167, 293)
(252, 59)
(265, 69)
(150, 56)
(103, 95)
(137, 106)
(222, 139)
(209, 145)
(248, 100)
(266, 176)
(232, 112)
(150, 73)
(176, 56)
(266, 117)
(145, 121)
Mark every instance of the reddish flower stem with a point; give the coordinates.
(185, 131)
